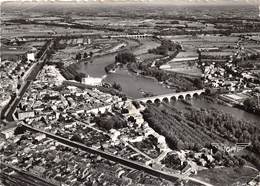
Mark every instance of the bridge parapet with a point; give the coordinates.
(136, 36)
(176, 96)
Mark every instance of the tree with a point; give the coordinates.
(197, 147)
(78, 56)
(109, 122)
(241, 161)
(218, 156)
(165, 47)
(125, 57)
(117, 86)
(76, 138)
(124, 98)
(251, 105)
(198, 83)
(180, 145)
(85, 55)
(131, 119)
(19, 130)
(79, 77)
(124, 111)
(136, 104)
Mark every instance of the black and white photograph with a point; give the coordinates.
(130, 93)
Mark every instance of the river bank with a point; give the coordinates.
(72, 72)
(134, 84)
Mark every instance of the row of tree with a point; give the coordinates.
(165, 47)
(195, 129)
(108, 121)
(251, 105)
(85, 55)
(125, 58)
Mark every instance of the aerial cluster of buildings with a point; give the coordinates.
(45, 96)
(136, 141)
(218, 76)
(11, 74)
(13, 71)
(81, 127)
(60, 164)
(71, 112)
(52, 110)
(227, 75)
(78, 41)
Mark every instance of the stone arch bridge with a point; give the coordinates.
(133, 36)
(173, 96)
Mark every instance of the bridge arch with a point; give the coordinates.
(188, 96)
(149, 102)
(142, 102)
(173, 99)
(208, 91)
(165, 100)
(195, 95)
(180, 97)
(203, 93)
(157, 101)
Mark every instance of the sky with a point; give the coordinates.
(184, 1)
(179, 2)
(220, 2)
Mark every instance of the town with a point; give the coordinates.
(107, 97)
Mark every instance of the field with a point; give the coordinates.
(184, 68)
(226, 176)
(12, 31)
(187, 54)
(13, 52)
(192, 43)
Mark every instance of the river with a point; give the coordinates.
(131, 84)
(235, 112)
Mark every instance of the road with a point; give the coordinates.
(125, 162)
(122, 140)
(21, 178)
(253, 168)
(31, 77)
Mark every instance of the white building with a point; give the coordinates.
(31, 56)
(26, 114)
(91, 81)
(8, 132)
